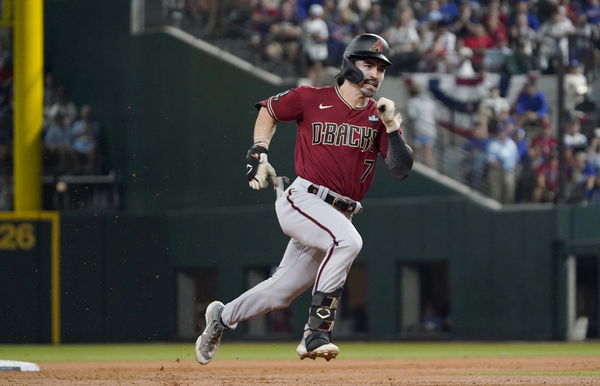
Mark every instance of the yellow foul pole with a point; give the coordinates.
(28, 103)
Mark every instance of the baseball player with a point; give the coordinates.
(341, 130)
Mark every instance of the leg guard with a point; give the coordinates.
(322, 318)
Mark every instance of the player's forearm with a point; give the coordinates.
(399, 159)
(264, 128)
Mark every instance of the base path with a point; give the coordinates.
(412, 371)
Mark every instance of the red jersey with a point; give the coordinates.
(336, 144)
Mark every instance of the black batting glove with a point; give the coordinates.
(252, 160)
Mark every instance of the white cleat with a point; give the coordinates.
(207, 344)
(327, 351)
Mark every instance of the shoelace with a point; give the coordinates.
(218, 330)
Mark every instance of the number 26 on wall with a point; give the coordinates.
(17, 235)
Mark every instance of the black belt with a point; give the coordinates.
(342, 204)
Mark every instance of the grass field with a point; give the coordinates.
(160, 351)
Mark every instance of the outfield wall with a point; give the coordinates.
(178, 123)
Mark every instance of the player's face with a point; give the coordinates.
(374, 72)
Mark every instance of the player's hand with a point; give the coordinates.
(387, 112)
(258, 169)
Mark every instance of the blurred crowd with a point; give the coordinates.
(513, 152)
(70, 134)
(301, 37)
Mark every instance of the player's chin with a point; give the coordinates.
(368, 90)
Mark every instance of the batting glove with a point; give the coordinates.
(387, 112)
(258, 169)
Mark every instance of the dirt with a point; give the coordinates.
(426, 371)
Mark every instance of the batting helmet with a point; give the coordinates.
(363, 46)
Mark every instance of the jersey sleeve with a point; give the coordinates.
(285, 106)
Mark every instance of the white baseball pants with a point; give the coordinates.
(323, 245)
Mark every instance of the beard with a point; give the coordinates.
(369, 87)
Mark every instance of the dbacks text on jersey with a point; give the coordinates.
(328, 133)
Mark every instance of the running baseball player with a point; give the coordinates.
(341, 130)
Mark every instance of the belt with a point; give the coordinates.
(342, 204)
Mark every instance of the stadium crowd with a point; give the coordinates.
(71, 138)
(511, 153)
(298, 37)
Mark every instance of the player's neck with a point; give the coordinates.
(352, 94)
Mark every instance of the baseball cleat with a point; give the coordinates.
(207, 344)
(328, 351)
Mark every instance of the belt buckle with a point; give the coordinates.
(343, 205)
(335, 202)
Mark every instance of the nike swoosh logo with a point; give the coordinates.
(324, 107)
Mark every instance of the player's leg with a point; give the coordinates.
(315, 223)
(293, 276)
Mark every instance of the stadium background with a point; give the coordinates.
(185, 231)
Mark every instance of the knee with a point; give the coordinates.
(352, 245)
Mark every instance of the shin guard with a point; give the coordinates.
(322, 318)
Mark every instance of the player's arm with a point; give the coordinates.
(258, 169)
(399, 159)
(264, 128)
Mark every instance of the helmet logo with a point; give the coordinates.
(376, 47)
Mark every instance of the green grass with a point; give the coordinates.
(158, 351)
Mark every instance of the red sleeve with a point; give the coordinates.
(285, 106)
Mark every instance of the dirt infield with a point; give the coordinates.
(426, 371)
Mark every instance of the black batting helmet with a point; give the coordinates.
(363, 46)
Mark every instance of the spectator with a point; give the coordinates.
(545, 141)
(341, 31)
(592, 187)
(437, 46)
(492, 110)
(262, 18)
(357, 7)
(574, 140)
(496, 28)
(58, 152)
(519, 136)
(592, 12)
(586, 45)
(64, 107)
(479, 42)
(465, 22)
(547, 179)
(526, 174)
(6, 133)
(494, 11)
(403, 39)
(554, 39)
(522, 41)
(284, 38)
(421, 112)
(303, 8)
(50, 97)
(375, 21)
(433, 13)
(315, 34)
(85, 134)
(449, 11)
(531, 107)
(503, 159)
(521, 9)
(476, 158)
(575, 87)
